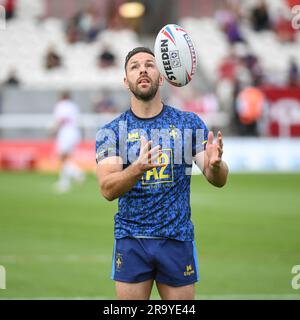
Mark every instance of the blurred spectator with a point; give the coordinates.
(260, 17)
(249, 106)
(106, 59)
(84, 26)
(241, 64)
(252, 64)
(72, 33)
(10, 6)
(53, 59)
(189, 99)
(293, 74)
(12, 79)
(227, 69)
(104, 102)
(206, 105)
(228, 19)
(87, 23)
(234, 33)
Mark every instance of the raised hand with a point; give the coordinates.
(214, 151)
(149, 157)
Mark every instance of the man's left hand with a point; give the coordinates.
(214, 151)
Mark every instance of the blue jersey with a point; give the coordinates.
(159, 204)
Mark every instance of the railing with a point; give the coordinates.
(89, 123)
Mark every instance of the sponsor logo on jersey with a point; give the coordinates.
(133, 137)
(173, 131)
(163, 174)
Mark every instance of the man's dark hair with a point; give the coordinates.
(135, 51)
(65, 95)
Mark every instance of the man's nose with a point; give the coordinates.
(143, 70)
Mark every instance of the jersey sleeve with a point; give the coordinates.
(106, 143)
(58, 113)
(200, 135)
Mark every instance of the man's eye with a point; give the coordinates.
(133, 67)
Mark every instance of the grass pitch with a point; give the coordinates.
(60, 246)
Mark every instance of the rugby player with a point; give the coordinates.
(67, 132)
(154, 234)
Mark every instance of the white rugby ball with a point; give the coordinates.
(175, 55)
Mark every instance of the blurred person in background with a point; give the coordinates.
(67, 131)
(228, 66)
(249, 106)
(84, 25)
(52, 60)
(88, 24)
(260, 16)
(106, 58)
(229, 20)
(252, 63)
(293, 73)
(10, 6)
(12, 78)
(104, 102)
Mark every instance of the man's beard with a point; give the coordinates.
(146, 95)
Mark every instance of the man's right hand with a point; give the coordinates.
(114, 181)
(149, 157)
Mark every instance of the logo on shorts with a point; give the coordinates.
(119, 261)
(189, 270)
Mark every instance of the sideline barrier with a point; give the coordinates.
(241, 154)
(41, 156)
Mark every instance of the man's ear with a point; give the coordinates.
(126, 85)
(161, 80)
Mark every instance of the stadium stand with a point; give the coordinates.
(25, 42)
(261, 58)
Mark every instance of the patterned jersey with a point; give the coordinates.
(159, 204)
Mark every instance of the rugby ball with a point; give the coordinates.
(175, 55)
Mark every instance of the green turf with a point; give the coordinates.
(247, 234)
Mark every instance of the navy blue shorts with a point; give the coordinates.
(167, 261)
